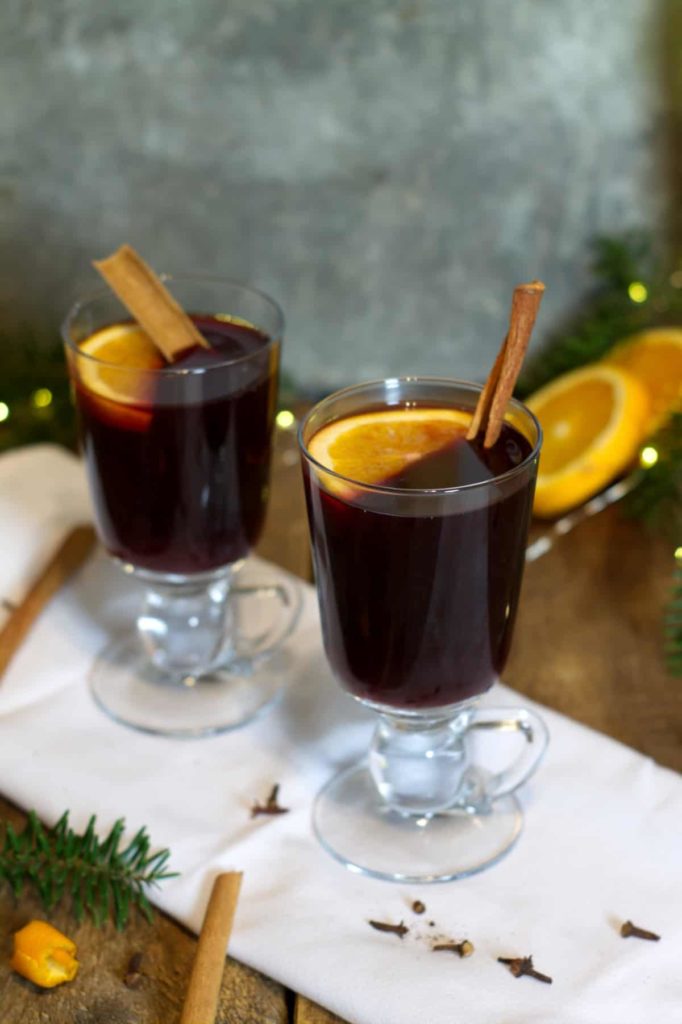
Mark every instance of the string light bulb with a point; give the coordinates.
(648, 456)
(41, 398)
(285, 419)
(638, 291)
(4, 412)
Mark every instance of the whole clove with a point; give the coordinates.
(133, 974)
(462, 949)
(395, 929)
(628, 929)
(523, 965)
(271, 805)
(418, 907)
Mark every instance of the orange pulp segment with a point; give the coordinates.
(654, 357)
(372, 447)
(593, 421)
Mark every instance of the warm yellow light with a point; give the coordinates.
(285, 419)
(41, 398)
(4, 412)
(648, 457)
(678, 554)
(638, 292)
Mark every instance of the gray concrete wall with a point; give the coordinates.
(387, 169)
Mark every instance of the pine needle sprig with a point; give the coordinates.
(101, 877)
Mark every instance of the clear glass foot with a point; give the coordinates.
(354, 824)
(207, 655)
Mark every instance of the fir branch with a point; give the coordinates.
(102, 877)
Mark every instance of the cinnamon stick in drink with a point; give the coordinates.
(489, 415)
(150, 302)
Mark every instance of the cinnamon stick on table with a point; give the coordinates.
(68, 557)
(492, 404)
(150, 302)
(201, 1001)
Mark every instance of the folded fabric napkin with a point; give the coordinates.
(602, 841)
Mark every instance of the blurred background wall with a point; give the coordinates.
(387, 169)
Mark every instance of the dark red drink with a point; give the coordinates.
(418, 592)
(178, 463)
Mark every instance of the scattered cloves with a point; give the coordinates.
(418, 907)
(628, 929)
(394, 929)
(133, 974)
(462, 949)
(271, 805)
(523, 965)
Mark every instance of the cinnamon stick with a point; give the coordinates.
(68, 557)
(492, 403)
(201, 1001)
(150, 302)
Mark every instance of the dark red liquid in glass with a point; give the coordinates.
(180, 480)
(418, 609)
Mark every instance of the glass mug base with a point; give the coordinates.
(146, 678)
(353, 823)
(131, 691)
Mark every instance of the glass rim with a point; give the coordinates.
(170, 370)
(421, 491)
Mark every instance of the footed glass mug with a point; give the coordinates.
(178, 460)
(418, 581)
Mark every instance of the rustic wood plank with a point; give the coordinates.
(310, 1013)
(589, 637)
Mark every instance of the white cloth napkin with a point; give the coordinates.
(602, 841)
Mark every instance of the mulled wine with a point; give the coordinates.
(418, 586)
(178, 456)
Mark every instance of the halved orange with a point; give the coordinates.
(654, 357)
(118, 375)
(593, 421)
(372, 447)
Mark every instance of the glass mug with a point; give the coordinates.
(178, 462)
(418, 590)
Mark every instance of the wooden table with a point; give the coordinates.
(588, 643)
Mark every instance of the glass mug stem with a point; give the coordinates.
(190, 626)
(425, 766)
(185, 624)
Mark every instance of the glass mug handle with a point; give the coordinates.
(535, 733)
(264, 615)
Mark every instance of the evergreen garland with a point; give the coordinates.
(623, 267)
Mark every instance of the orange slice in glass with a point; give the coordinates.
(655, 358)
(372, 447)
(593, 421)
(115, 367)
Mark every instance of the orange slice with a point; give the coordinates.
(655, 358)
(593, 421)
(374, 446)
(117, 373)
